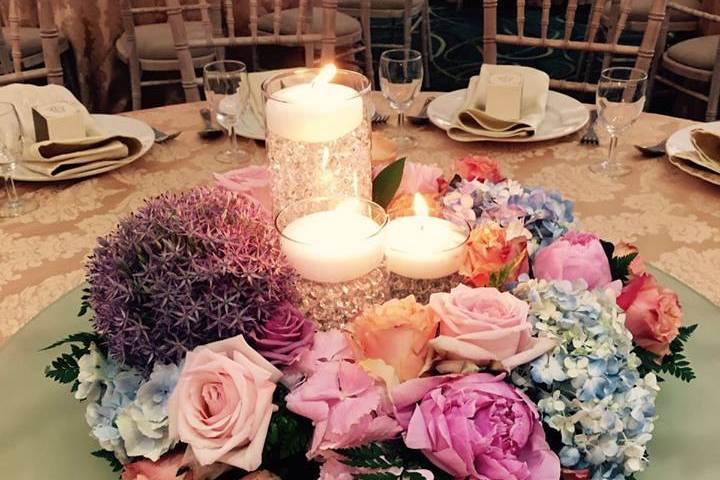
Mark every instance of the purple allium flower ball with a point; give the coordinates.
(185, 270)
(282, 338)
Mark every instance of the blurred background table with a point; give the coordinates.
(672, 217)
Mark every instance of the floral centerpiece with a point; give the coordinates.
(543, 363)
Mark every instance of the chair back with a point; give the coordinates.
(11, 59)
(227, 36)
(609, 45)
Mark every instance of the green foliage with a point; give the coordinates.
(620, 266)
(675, 363)
(393, 454)
(387, 182)
(109, 457)
(64, 369)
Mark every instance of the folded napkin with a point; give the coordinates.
(257, 102)
(706, 150)
(67, 158)
(473, 123)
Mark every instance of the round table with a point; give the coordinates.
(43, 434)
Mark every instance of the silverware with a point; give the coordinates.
(209, 132)
(378, 118)
(162, 137)
(422, 117)
(590, 137)
(653, 151)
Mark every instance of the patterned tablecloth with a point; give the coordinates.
(672, 217)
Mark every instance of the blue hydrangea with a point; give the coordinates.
(588, 388)
(545, 214)
(127, 416)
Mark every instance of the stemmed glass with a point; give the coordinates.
(620, 100)
(227, 91)
(11, 148)
(401, 75)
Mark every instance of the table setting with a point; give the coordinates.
(292, 284)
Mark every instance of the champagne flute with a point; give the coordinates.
(227, 91)
(401, 76)
(620, 100)
(11, 148)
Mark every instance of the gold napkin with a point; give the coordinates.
(67, 158)
(472, 123)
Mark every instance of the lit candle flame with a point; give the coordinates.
(420, 206)
(326, 74)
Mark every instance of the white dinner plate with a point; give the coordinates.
(680, 142)
(249, 127)
(563, 115)
(108, 125)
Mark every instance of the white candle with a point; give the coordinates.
(314, 112)
(423, 247)
(333, 246)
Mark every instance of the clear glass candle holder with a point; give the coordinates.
(335, 246)
(423, 255)
(318, 135)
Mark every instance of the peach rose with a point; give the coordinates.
(485, 326)
(478, 167)
(493, 256)
(222, 404)
(652, 313)
(637, 266)
(397, 333)
(164, 469)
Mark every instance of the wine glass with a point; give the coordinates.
(401, 75)
(11, 148)
(620, 100)
(227, 91)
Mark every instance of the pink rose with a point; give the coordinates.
(478, 167)
(252, 182)
(483, 326)
(652, 313)
(346, 406)
(574, 256)
(475, 426)
(222, 404)
(417, 178)
(164, 469)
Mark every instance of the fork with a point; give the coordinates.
(162, 137)
(378, 118)
(590, 137)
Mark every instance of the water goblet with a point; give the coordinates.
(401, 76)
(11, 148)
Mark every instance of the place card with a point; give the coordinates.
(58, 121)
(504, 96)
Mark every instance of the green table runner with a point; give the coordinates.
(43, 434)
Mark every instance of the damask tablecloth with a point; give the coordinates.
(672, 217)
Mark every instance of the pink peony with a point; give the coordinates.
(222, 404)
(475, 426)
(285, 336)
(253, 182)
(164, 469)
(478, 167)
(574, 256)
(652, 313)
(346, 406)
(483, 326)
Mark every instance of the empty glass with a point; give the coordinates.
(11, 148)
(227, 91)
(620, 100)
(401, 75)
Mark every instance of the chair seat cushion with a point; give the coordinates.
(344, 24)
(697, 52)
(30, 42)
(155, 41)
(639, 10)
(378, 4)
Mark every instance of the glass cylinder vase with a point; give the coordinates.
(335, 246)
(317, 128)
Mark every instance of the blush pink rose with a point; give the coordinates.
(652, 313)
(253, 182)
(222, 404)
(484, 326)
(574, 256)
(164, 469)
(478, 167)
(417, 178)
